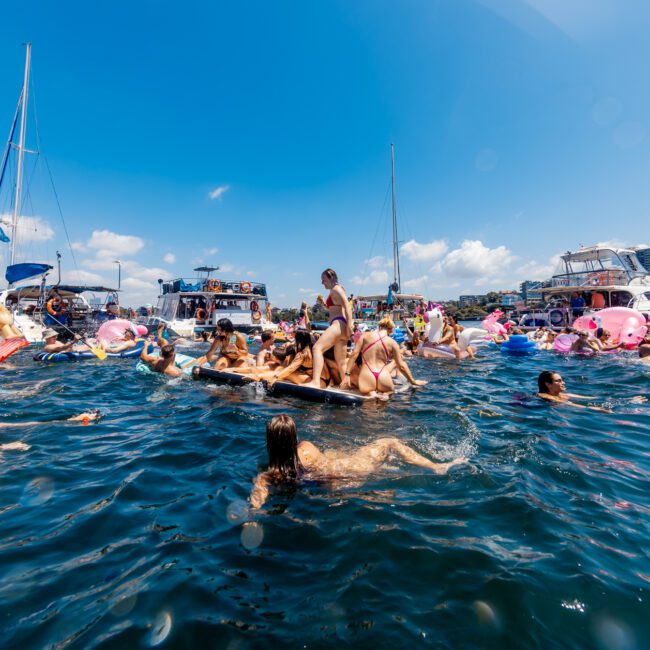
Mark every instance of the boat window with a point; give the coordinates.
(620, 298)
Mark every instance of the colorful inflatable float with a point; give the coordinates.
(56, 357)
(433, 332)
(624, 325)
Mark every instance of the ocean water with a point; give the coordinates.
(134, 531)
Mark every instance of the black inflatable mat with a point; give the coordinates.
(280, 388)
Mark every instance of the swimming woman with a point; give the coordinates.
(290, 460)
(340, 328)
(380, 354)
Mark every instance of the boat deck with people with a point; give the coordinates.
(191, 306)
(586, 281)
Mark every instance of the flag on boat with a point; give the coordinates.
(389, 300)
(3, 238)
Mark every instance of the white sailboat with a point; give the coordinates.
(401, 306)
(38, 305)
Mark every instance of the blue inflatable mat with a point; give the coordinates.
(56, 357)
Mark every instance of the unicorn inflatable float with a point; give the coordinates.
(433, 333)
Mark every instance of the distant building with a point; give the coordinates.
(509, 298)
(531, 290)
(644, 257)
(471, 300)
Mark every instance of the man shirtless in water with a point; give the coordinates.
(289, 460)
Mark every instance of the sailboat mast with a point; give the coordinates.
(396, 279)
(21, 153)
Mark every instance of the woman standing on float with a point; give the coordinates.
(337, 334)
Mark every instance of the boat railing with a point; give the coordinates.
(591, 279)
(211, 285)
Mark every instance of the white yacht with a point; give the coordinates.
(603, 276)
(189, 306)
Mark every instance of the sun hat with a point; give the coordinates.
(49, 332)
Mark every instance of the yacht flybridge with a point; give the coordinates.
(190, 306)
(603, 276)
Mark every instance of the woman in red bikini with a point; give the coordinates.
(337, 334)
(380, 354)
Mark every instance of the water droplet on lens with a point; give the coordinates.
(612, 634)
(629, 134)
(606, 110)
(161, 628)
(486, 614)
(124, 605)
(237, 512)
(38, 491)
(252, 535)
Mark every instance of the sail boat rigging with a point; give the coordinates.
(37, 306)
(397, 281)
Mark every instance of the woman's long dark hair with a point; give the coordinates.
(303, 340)
(282, 445)
(545, 377)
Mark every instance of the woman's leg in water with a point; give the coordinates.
(381, 449)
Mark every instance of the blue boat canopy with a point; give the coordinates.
(18, 272)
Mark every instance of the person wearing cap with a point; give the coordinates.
(52, 345)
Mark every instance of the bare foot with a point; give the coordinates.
(443, 468)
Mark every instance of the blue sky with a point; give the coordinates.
(257, 136)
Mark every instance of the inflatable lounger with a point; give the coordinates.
(55, 357)
(181, 361)
(279, 388)
(9, 346)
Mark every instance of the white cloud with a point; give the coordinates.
(169, 258)
(378, 262)
(219, 191)
(211, 251)
(416, 284)
(374, 277)
(534, 271)
(82, 277)
(110, 244)
(418, 252)
(79, 246)
(310, 291)
(475, 260)
(136, 283)
(30, 229)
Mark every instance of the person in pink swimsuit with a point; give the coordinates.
(380, 354)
